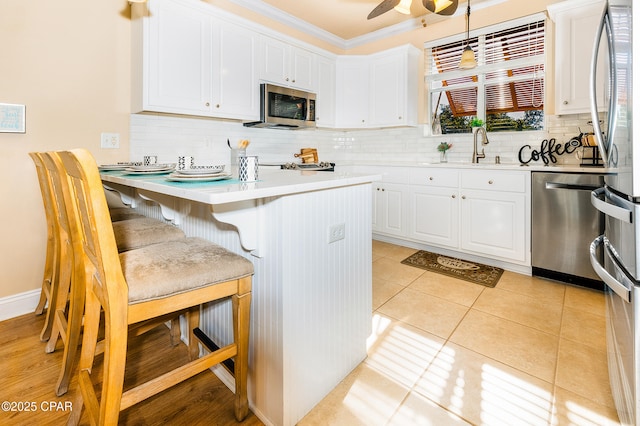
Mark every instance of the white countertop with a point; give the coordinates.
(272, 182)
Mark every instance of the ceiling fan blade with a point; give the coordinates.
(434, 5)
(383, 7)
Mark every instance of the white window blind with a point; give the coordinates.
(506, 89)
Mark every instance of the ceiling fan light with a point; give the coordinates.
(468, 60)
(137, 1)
(440, 5)
(404, 7)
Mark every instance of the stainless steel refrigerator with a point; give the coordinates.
(619, 200)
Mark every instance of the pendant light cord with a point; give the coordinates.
(468, 17)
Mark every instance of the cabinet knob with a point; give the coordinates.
(206, 104)
(382, 189)
(217, 105)
(286, 79)
(453, 195)
(400, 118)
(490, 182)
(430, 177)
(464, 197)
(293, 81)
(565, 103)
(363, 121)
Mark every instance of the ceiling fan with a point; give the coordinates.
(440, 7)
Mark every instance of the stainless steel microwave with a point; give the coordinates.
(285, 108)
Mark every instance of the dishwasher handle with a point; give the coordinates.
(612, 210)
(615, 285)
(558, 185)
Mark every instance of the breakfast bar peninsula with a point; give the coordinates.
(308, 234)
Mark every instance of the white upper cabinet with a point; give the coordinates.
(326, 93)
(235, 90)
(576, 22)
(379, 90)
(352, 92)
(189, 62)
(176, 60)
(287, 65)
(394, 88)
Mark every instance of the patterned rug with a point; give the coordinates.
(476, 273)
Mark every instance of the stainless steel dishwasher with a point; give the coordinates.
(563, 225)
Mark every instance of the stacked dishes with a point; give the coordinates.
(151, 169)
(199, 174)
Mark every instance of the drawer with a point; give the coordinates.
(494, 180)
(442, 177)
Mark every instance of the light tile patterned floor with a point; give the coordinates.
(446, 352)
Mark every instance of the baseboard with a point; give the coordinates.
(19, 304)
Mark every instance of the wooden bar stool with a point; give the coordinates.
(142, 285)
(130, 234)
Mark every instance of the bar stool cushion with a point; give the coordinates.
(123, 213)
(156, 271)
(136, 233)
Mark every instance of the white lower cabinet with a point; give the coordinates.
(389, 209)
(492, 224)
(482, 212)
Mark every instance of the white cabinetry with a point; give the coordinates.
(576, 22)
(434, 207)
(287, 65)
(378, 90)
(326, 93)
(493, 219)
(394, 88)
(188, 62)
(352, 92)
(389, 200)
(481, 212)
(175, 51)
(235, 91)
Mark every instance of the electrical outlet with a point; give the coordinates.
(109, 140)
(336, 233)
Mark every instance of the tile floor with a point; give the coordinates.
(446, 352)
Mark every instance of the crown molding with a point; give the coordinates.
(278, 15)
(294, 22)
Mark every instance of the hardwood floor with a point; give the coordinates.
(28, 376)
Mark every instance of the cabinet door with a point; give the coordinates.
(575, 36)
(287, 65)
(433, 215)
(235, 84)
(389, 210)
(274, 61)
(352, 92)
(493, 224)
(326, 93)
(303, 69)
(178, 65)
(387, 92)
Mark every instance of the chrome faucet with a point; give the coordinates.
(485, 141)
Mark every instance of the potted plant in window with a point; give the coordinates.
(476, 122)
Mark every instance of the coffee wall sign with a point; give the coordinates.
(548, 152)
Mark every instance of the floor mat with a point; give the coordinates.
(474, 272)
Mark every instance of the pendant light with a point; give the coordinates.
(468, 60)
(404, 7)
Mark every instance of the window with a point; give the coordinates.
(506, 89)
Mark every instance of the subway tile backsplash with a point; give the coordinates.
(205, 139)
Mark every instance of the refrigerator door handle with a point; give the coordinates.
(605, 23)
(610, 209)
(619, 288)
